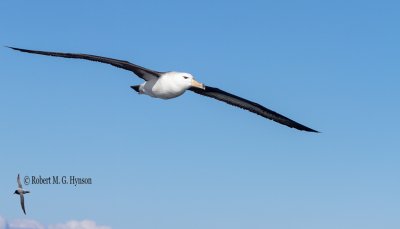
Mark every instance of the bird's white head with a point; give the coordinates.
(186, 80)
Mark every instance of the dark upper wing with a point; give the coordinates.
(143, 73)
(234, 100)
(22, 202)
(19, 182)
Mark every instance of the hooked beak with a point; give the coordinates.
(198, 85)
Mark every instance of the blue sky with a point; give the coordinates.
(193, 162)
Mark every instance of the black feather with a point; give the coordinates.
(140, 71)
(256, 108)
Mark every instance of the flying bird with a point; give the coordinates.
(21, 193)
(168, 85)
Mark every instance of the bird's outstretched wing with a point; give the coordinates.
(22, 202)
(19, 182)
(142, 72)
(256, 108)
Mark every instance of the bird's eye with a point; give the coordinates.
(185, 77)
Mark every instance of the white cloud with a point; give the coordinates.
(73, 224)
(3, 223)
(32, 224)
(25, 224)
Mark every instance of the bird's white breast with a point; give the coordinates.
(165, 87)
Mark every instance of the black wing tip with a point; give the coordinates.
(14, 48)
(311, 130)
(10, 47)
(304, 128)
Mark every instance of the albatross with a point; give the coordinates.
(168, 85)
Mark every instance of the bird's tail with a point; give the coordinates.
(136, 88)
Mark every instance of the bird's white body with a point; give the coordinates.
(169, 85)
